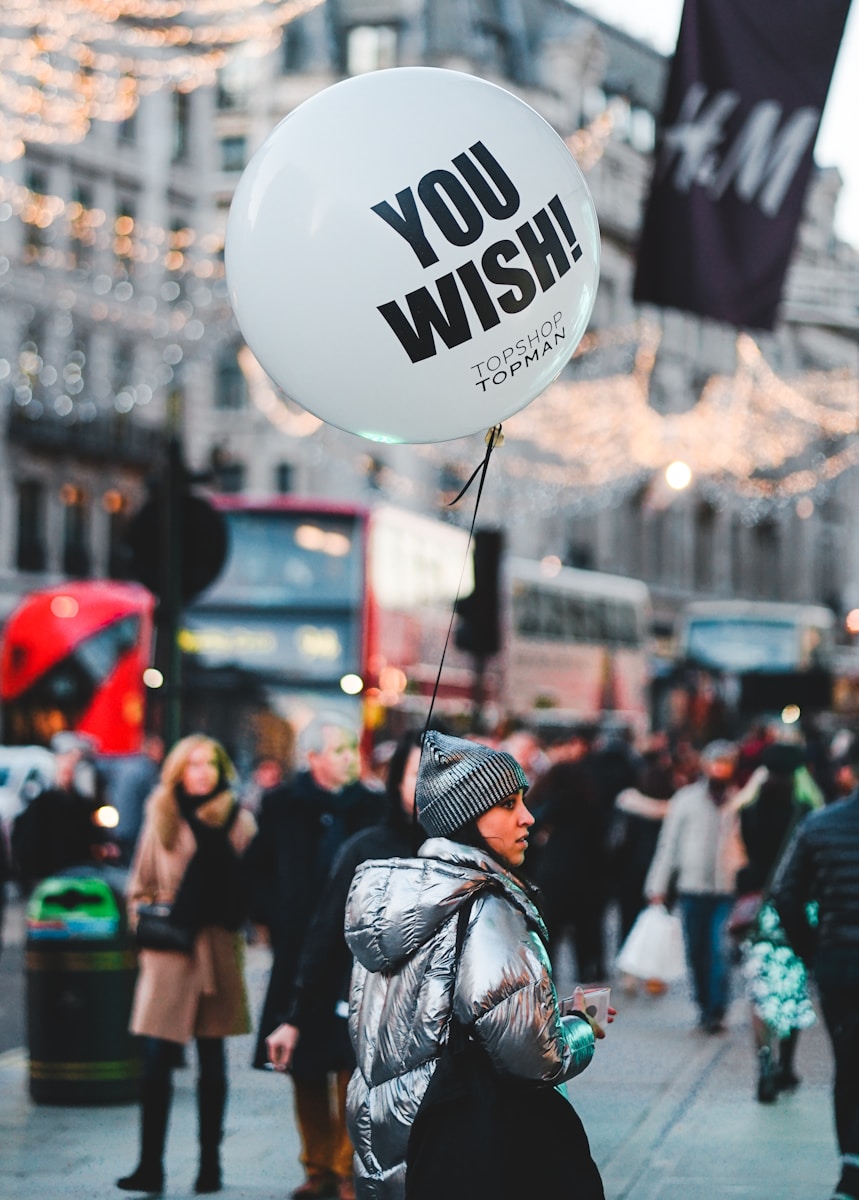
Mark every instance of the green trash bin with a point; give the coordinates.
(80, 968)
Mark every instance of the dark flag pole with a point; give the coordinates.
(745, 96)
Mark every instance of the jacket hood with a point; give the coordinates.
(396, 905)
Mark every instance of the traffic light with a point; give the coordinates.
(202, 551)
(478, 627)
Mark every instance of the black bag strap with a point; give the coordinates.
(457, 1036)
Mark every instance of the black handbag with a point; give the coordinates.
(485, 1136)
(156, 931)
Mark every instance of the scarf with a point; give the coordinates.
(213, 890)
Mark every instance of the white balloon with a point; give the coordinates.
(413, 254)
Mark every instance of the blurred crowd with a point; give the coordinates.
(621, 823)
(599, 796)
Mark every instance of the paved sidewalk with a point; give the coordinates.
(670, 1113)
(54, 1152)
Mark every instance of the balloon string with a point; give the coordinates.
(494, 437)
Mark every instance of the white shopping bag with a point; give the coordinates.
(654, 947)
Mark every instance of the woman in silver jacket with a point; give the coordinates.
(399, 928)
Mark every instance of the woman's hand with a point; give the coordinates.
(281, 1046)
(580, 1006)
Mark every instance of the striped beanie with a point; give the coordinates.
(458, 780)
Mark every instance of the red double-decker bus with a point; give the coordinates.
(73, 657)
(325, 605)
(320, 605)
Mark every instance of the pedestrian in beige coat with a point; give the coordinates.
(189, 857)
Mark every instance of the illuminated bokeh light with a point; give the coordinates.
(65, 63)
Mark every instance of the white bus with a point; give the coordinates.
(576, 645)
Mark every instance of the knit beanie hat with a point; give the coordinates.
(459, 779)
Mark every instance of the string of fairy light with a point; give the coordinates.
(586, 442)
(65, 63)
(164, 286)
(594, 439)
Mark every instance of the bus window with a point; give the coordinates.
(283, 559)
(750, 645)
(73, 658)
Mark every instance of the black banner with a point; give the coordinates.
(745, 96)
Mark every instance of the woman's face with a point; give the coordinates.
(410, 781)
(201, 771)
(504, 828)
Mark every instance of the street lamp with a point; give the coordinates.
(678, 476)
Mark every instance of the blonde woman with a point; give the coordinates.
(189, 857)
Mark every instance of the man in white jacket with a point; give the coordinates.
(699, 854)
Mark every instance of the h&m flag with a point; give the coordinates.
(744, 101)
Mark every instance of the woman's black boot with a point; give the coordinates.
(786, 1077)
(148, 1176)
(767, 1088)
(211, 1102)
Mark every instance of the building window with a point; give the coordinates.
(181, 125)
(738, 546)
(293, 48)
(370, 48)
(123, 365)
(235, 81)
(118, 555)
(76, 553)
(74, 373)
(580, 555)
(127, 128)
(284, 478)
(232, 388)
(233, 153)
(123, 238)
(654, 546)
(180, 239)
(704, 547)
(31, 364)
(765, 560)
(230, 477)
(30, 551)
(81, 224)
(35, 239)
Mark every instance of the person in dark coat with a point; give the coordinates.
(570, 865)
(59, 827)
(322, 981)
(636, 825)
(777, 984)
(821, 866)
(302, 826)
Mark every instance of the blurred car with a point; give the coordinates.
(24, 772)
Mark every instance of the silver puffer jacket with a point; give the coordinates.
(399, 928)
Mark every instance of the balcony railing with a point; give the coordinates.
(123, 442)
